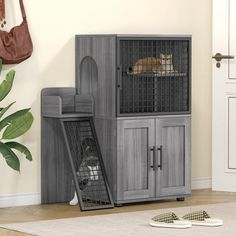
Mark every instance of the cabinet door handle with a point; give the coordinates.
(160, 149)
(154, 158)
(152, 149)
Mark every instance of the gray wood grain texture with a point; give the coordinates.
(107, 138)
(57, 91)
(56, 177)
(96, 71)
(135, 178)
(138, 200)
(89, 74)
(174, 136)
(51, 105)
(56, 101)
(84, 103)
(135, 151)
(68, 115)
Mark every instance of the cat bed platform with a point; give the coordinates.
(64, 102)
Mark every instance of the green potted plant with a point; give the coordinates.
(13, 126)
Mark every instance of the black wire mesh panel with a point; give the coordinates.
(155, 76)
(89, 173)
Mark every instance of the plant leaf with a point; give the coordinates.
(10, 157)
(6, 121)
(18, 126)
(6, 85)
(2, 111)
(21, 148)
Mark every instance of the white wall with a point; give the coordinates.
(53, 25)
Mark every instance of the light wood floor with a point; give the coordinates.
(57, 211)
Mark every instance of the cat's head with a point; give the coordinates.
(166, 59)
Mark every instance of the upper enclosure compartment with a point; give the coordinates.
(130, 75)
(154, 75)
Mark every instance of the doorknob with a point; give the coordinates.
(218, 57)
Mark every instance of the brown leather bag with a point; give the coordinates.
(16, 45)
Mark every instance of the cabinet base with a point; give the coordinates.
(140, 200)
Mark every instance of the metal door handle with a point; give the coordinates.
(218, 57)
(152, 149)
(154, 158)
(160, 149)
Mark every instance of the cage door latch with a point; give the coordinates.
(218, 57)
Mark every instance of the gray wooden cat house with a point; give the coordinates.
(137, 90)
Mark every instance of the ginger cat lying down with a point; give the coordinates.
(154, 65)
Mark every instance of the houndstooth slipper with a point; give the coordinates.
(169, 220)
(202, 218)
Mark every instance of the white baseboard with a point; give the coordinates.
(24, 199)
(35, 198)
(201, 183)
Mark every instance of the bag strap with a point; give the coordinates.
(2, 13)
(22, 8)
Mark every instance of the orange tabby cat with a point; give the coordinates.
(154, 65)
(146, 65)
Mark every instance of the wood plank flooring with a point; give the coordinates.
(57, 211)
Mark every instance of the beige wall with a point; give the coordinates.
(53, 25)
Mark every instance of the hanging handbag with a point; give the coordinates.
(16, 45)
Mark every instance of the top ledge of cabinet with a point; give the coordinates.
(156, 75)
(153, 117)
(135, 35)
(68, 115)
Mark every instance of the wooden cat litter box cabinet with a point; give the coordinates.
(141, 88)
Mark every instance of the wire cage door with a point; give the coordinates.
(154, 75)
(89, 177)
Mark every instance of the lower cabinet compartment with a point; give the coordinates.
(152, 158)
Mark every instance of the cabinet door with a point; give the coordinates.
(174, 173)
(135, 177)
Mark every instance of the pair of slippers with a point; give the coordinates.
(170, 220)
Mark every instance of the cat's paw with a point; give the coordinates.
(74, 201)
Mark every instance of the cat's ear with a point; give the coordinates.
(170, 56)
(162, 56)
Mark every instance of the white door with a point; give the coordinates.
(224, 97)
